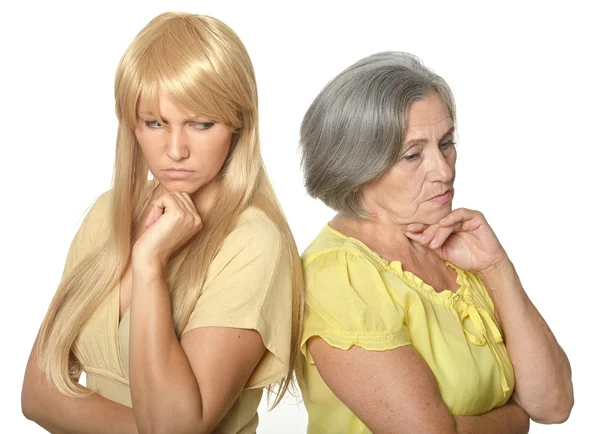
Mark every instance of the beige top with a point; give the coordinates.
(248, 286)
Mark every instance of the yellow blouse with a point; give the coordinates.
(248, 285)
(355, 297)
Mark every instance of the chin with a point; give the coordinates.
(181, 186)
(434, 216)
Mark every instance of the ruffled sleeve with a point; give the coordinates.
(349, 304)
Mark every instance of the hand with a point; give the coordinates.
(463, 238)
(173, 220)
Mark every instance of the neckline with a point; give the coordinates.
(412, 279)
(117, 330)
(126, 313)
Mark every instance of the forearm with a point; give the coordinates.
(164, 390)
(508, 419)
(542, 371)
(60, 414)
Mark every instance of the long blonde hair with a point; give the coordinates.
(203, 66)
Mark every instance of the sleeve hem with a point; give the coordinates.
(276, 355)
(379, 341)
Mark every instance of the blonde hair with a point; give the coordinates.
(203, 66)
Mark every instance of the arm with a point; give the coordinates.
(542, 371)
(60, 414)
(187, 386)
(182, 387)
(395, 392)
(510, 418)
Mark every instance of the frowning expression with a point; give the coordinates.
(185, 152)
(419, 186)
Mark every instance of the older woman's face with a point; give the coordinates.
(418, 188)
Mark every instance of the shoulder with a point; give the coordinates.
(96, 221)
(340, 271)
(255, 243)
(99, 211)
(254, 227)
(330, 249)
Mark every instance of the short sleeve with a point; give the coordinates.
(348, 303)
(249, 286)
(92, 228)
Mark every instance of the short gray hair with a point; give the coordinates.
(352, 132)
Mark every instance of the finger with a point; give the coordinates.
(414, 236)
(154, 215)
(428, 234)
(458, 215)
(424, 237)
(186, 202)
(192, 212)
(442, 235)
(180, 202)
(166, 201)
(416, 227)
(195, 211)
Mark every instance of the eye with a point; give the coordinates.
(447, 144)
(153, 124)
(410, 157)
(203, 125)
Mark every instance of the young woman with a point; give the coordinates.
(182, 295)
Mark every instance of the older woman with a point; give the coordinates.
(416, 320)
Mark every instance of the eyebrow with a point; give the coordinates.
(191, 120)
(414, 142)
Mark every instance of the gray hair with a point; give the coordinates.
(352, 132)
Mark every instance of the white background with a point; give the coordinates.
(525, 79)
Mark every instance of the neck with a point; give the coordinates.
(387, 239)
(205, 198)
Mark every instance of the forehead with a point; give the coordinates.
(428, 116)
(160, 103)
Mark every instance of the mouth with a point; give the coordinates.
(174, 173)
(442, 198)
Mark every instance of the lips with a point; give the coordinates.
(442, 198)
(441, 194)
(177, 173)
(177, 169)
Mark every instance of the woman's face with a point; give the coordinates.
(190, 154)
(418, 188)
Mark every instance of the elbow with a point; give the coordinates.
(29, 407)
(178, 428)
(27, 410)
(555, 416)
(556, 413)
(28, 401)
(161, 424)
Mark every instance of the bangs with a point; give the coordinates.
(180, 62)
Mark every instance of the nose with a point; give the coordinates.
(177, 148)
(440, 169)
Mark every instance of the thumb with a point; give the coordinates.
(154, 215)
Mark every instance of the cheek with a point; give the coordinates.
(221, 147)
(403, 185)
(146, 147)
(212, 155)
